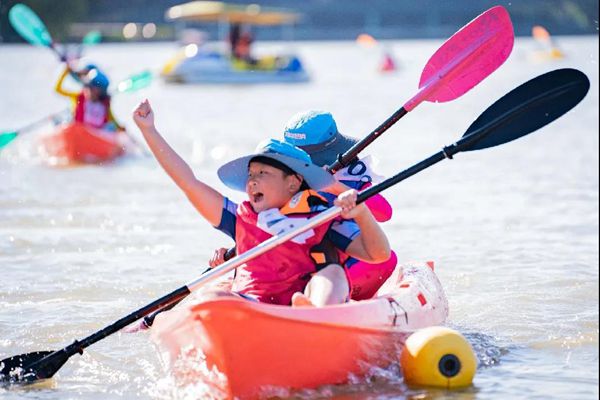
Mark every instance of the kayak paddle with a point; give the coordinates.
(135, 82)
(527, 108)
(31, 28)
(91, 38)
(464, 60)
(128, 85)
(8, 136)
(149, 319)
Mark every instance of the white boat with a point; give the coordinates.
(214, 67)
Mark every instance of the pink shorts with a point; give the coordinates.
(366, 279)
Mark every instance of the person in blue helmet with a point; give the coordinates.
(91, 106)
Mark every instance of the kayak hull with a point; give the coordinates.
(232, 332)
(76, 143)
(257, 346)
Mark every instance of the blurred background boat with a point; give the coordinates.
(548, 50)
(203, 63)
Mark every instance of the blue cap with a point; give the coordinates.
(310, 127)
(97, 79)
(316, 132)
(234, 174)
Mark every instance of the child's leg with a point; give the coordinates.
(328, 286)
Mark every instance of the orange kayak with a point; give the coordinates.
(255, 347)
(78, 143)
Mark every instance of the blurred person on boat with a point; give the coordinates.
(316, 133)
(281, 183)
(240, 42)
(91, 105)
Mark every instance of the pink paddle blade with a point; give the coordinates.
(466, 58)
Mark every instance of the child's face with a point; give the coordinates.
(268, 187)
(93, 93)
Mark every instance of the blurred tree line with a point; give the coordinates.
(57, 15)
(329, 19)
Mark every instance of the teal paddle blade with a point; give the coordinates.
(29, 25)
(6, 138)
(136, 82)
(92, 37)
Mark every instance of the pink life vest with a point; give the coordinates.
(275, 276)
(92, 113)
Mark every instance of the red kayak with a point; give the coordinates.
(242, 349)
(76, 143)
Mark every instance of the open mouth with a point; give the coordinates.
(257, 197)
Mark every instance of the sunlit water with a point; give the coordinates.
(513, 229)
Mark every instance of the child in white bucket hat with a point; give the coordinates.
(317, 133)
(274, 177)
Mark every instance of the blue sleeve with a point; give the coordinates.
(228, 217)
(342, 233)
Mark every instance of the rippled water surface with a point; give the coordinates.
(513, 229)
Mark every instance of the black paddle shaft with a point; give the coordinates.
(149, 319)
(43, 365)
(446, 152)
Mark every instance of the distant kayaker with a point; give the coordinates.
(277, 178)
(240, 42)
(91, 105)
(316, 132)
(388, 64)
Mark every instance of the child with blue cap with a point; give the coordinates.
(316, 132)
(91, 106)
(277, 178)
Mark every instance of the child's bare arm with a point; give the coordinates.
(371, 244)
(204, 198)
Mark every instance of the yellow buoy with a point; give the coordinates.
(439, 357)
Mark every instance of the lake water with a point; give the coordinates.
(513, 229)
